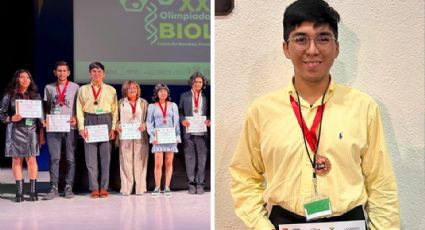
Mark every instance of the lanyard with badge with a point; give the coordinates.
(319, 206)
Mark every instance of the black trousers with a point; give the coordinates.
(280, 215)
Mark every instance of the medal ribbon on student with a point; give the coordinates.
(310, 134)
(61, 95)
(164, 111)
(133, 107)
(196, 100)
(320, 163)
(95, 94)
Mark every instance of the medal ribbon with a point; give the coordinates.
(196, 98)
(95, 94)
(163, 110)
(310, 134)
(61, 95)
(133, 106)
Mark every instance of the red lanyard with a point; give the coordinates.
(310, 134)
(133, 106)
(61, 95)
(163, 110)
(95, 94)
(196, 98)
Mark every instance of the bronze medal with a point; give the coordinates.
(164, 121)
(95, 103)
(322, 166)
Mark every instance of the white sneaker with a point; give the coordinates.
(155, 192)
(167, 191)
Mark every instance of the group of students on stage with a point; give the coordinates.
(94, 110)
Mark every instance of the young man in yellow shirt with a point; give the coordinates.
(314, 150)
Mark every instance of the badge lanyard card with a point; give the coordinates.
(318, 206)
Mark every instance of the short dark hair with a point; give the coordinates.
(96, 65)
(61, 63)
(316, 11)
(200, 75)
(157, 88)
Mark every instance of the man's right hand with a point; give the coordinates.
(84, 134)
(185, 123)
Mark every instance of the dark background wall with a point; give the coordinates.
(37, 34)
(17, 43)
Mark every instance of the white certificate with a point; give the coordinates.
(29, 108)
(340, 225)
(58, 123)
(130, 131)
(97, 133)
(197, 124)
(165, 135)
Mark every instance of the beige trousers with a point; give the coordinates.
(133, 166)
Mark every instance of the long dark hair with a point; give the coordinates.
(13, 88)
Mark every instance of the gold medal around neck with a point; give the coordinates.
(195, 110)
(322, 166)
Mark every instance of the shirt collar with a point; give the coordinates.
(193, 92)
(290, 89)
(91, 83)
(127, 101)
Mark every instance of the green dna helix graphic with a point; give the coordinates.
(149, 26)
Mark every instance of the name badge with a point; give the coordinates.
(56, 110)
(318, 208)
(99, 110)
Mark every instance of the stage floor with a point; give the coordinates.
(179, 211)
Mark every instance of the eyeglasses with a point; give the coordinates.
(302, 42)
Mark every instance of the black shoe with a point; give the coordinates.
(33, 190)
(68, 191)
(53, 193)
(19, 190)
(192, 189)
